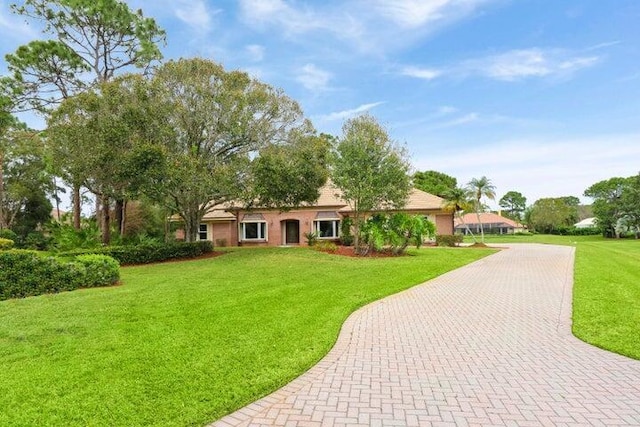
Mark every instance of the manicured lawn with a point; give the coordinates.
(606, 293)
(185, 343)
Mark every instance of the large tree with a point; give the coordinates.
(458, 201)
(118, 124)
(514, 203)
(219, 122)
(630, 204)
(88, 42)
(607, 207)
(481, 188)
(370, 170)
(24, 182)
(548, 214)
(434, 182)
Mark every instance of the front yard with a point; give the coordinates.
(185, 343)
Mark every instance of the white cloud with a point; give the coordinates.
(540, 166)
(313, 78)
(535, 62)
(195, 14)
(421, 73)
(412, 14)
(371, 26)
(341, 115)
(255, 52)
(513, 65)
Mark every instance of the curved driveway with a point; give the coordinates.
(487, 344)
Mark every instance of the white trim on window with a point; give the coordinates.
(327, 228)
(253, 231)
(203, 231)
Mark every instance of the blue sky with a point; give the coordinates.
(541, 96)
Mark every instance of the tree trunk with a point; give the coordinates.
(106, 221)
(3, 221)
(481, 228)
(467, 227)
(119, 212)
(191, 222)
(76, 202)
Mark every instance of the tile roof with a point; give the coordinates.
(488, 218)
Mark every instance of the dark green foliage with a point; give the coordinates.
(449, 240)
(67, 238)
(394, 233)
(101, 270)
(148, 253)
(346, 236)
(6, 233)
(27, 273)
(434, 182)
(514, 203)
(574, 231)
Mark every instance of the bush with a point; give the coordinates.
(6, 233)
(325, 246)
(26, 273)
(311, 237)
(448, 240)
(145, 254)
(346, 237)
(101, 270)
(574, 231)
(6, 244)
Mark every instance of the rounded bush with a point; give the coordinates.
(101, 270)
(6, 244)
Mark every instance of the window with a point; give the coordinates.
(203, 232)
(254, 230)
(327, 229)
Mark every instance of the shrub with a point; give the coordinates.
(346, 237)
(101, 270)
(326, 246)
(394, 233)
(6, 244)
(311, 237)
(6, 233)
(26, 273)
(448, 240)
(145, 254)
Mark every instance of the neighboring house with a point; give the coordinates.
(586, 223)
(491, 223)
(271, 227)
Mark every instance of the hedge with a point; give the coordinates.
(28, 273)
(148, 253)
(5, 244)
(448, 240)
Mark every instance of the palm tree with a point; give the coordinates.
(481, 187)
(457, 200)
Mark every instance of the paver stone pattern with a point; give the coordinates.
(487, 344)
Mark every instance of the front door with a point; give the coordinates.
(292, 232)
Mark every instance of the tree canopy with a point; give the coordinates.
(434, 182)
(548, 214)
(369, 169)
(479, 189)
(220, 124)
(514, 203)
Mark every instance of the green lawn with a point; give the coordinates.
(606, 293)
(185, 343)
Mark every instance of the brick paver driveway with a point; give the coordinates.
(488, 344)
